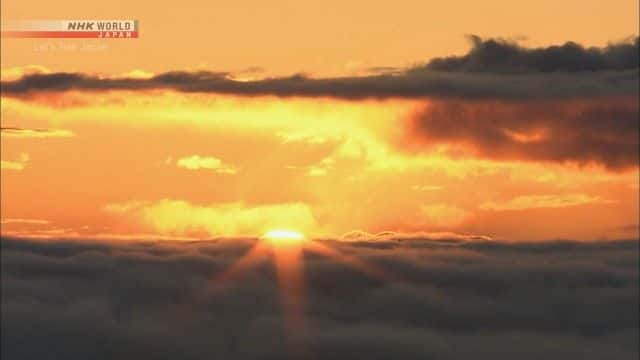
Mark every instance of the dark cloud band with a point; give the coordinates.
(556, 72)
(429, 84)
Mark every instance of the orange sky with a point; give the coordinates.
(205, 164)
(178, 164)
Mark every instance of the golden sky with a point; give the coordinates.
(322, 157)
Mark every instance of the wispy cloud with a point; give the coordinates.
(18, 164)
(24, 221)
(15, 132)
(543, 201)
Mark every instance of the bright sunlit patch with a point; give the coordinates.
(282, 237)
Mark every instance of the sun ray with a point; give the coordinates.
(287, 249)
(288, 263)
(351, 261)
(257, 253)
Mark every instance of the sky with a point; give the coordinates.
(322, 180)
(233, 119)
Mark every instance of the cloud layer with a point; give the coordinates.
(455, 299)
(555, 72)
(603, 131)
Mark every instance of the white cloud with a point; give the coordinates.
(197, 162)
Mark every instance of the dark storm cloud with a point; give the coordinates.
(456, 299)
(549, 76)
(504, 56)
(604, 131)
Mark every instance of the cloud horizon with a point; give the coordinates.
(104, 299)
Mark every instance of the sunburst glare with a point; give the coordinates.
(287, 248)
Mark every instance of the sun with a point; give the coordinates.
(283, 237)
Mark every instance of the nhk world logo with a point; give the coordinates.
(106, 29)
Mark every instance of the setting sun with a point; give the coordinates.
(283, 237)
